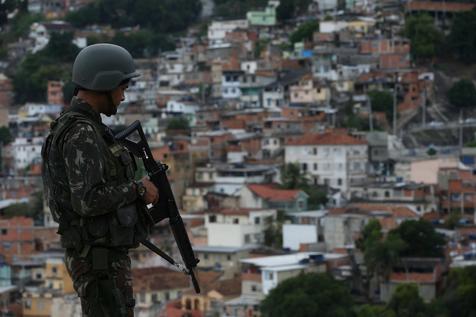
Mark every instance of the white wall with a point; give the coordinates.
(26, 151)
(335, 163)
(294, 235)
(331, 26)
(249, 200)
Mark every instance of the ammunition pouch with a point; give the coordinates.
(122, 226)
(97, 226)
(71, 238)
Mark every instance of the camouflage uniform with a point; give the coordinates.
(88, 180)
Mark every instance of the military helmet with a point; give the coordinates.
(102, 67)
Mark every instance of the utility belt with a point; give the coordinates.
(120, 229)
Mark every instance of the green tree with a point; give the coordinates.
(237, 8)
(273, 234)
(178, 123)
(382, 101)
(317, 197)
(157, 15)
(420, 238)
(292, 177)
(380, 254)
(308, 295)
(304, 31)
(460, 292)
(60, 48)
(425, 38)
(462, 38)
(462, 94)
(406, 302)
(375, 311)
(51, 63)
(370, 235)
(16, 210)
(452, 221)
(143, 43)
(289, 9)
(5, 136)
(6, 7)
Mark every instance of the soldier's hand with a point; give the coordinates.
(151, 195)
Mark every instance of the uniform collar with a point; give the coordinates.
(81, 106)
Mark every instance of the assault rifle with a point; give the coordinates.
(134, 140)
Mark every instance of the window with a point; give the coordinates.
(4, 231)
(236, 221)
(154, 298)
(314, 151)
(167, 296)
(212, 218)
(257, 220)
(304, 167)
(269, 275)
(315, 166)
(205, 256)
(228, 257)
(339, 182)
(254, 288)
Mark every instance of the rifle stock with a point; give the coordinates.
(134, 140)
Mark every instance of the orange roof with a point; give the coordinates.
(251, 277)
(159, 278)
(236, 211)
(439, 6)
(388, 223)
(412, 277)
(328, 138)
(270, 192)
(396, 210)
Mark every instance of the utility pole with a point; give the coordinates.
(423, 117)
(460, 125)
(371, 119)
(395, 104)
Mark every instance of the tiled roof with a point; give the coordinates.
(439, 6)
(272, 193)
(396, 210)
(159, 278)
(412, 277)
(236, 211)
(328, 138)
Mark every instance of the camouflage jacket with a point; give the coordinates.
(86, 173)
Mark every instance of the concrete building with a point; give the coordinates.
(222, 258)
(331, 158)
(238, 227)
(55, 92)
(218, 30)
(26, 151)
(275, 269)
(264, 18)
(306, 231)
(270, 196)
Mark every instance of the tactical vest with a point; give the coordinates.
(123, 228)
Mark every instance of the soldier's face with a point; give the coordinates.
(117, 96)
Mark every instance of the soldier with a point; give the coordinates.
(90, 188)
